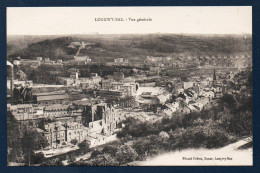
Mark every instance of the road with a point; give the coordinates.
(83, 157)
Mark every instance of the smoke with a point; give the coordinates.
(9, 64)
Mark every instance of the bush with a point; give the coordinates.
(37, 158)
(103, 160)
(110, 149)
(125, 154)
(83, 144)
(74, 141)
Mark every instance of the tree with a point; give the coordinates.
(37, 158)
(103, 160)
(83, 144)
(125, 154)
(74, 141)
(110, 149)
(31, 141)
(228, 101)
(163, 135)
(13, 139)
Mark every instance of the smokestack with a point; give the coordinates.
(12, 75)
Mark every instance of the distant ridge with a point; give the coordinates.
(128, 45)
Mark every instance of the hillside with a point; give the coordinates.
(18, 42)
(107, 47)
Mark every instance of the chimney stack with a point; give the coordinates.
(12, 75)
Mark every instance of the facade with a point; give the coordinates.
(128, 88)
(53, 64)
(23, 112)
(98, 117)
(39, 58)
(66, 81)
(74, 75)
(119, 60)
(28, 83)
(28, 62)
(61, 134)
(74, 62)
(97, 125)
(82, 58)
(59, 110)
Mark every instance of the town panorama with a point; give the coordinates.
(117, 100)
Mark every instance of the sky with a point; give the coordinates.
(81, 20)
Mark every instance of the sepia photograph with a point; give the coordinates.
(129, 86)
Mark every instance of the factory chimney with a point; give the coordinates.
(12, 75)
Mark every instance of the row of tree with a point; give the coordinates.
(22, 141)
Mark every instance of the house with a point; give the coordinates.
(66, 81)
(47, 60)
(119, 60)
(170, 108)
(195, 106)
(39, 58)
(207, 93)
(187, 85)
(74, 62)
(164, 97)
(82, 58)
(99, 139)
(16, 62)
(74, 75)
(28, 62)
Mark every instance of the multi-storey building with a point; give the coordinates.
(61, 134)
(23, 112)
(98, 124)
(128, 88)
(58, 110)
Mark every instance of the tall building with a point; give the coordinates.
(98, 117)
